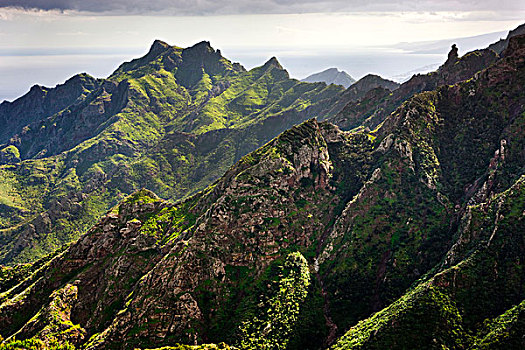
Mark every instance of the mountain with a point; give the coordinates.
(357, 92)
(331, 76)
(502, 44)
(41, 102)
(172, 121)
(473, 297)
(403, 77)
(379, 103)
(407, 236)
(376, 106)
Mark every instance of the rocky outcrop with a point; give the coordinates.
(221, 225)
(41, 102)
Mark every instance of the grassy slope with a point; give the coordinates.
(440, 310)
(450, 125)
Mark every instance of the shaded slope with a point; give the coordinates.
(458, 307)
(41, 102)
(364, 95)
(371, 113)
(479, 278)
(502, 44)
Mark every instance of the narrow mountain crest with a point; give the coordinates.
(157, 47)
(273, 62)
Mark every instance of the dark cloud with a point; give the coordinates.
(217, 7)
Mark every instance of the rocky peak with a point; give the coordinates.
(331, 76)
(273, 62)
(204, 55)
(452, 55)
(202, 48)
(157, 47)
(37, 89)
(371, 81)
(41, 102)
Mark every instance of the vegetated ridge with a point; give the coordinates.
(409, 235)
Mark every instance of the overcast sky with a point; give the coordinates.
(214, 7)
(46, 41)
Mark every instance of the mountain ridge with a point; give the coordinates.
(379, 237)
(161, 111)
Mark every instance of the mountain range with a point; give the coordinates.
(188, 203)
(172, 121)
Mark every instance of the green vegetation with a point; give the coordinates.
(34, 344)
(424, 318)
(172, 121)
(440, 311)
(221, 346)
(273, 328)
(407, 236)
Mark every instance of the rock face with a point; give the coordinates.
(396, 238)
(172, 121)
(41, 102)
(331, 76)
(502, 44)
(359, 98)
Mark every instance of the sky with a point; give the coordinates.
(46, 41)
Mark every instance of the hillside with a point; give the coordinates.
(172, 121)
(410, 235)
(373, 108)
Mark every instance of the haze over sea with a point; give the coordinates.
(389, 44)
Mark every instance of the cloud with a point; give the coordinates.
(223, 7)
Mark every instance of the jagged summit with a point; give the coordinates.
(157, 47)
(452, 55)
(202, 50)
(273, 62)
(36, 88)
(202, 46)
(203, 43)
(75, 79)
(377, 80)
